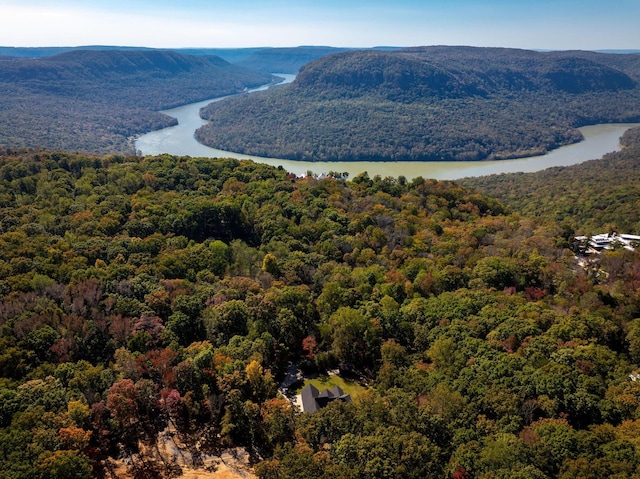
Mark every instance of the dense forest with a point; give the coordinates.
(600, 196)
(285, 60)
(164, 297)
(98, 100)
(430, 103)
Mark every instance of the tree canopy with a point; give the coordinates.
(429, 104)
(96, 101)
(141, 296)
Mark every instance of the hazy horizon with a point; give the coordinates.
(541, 25)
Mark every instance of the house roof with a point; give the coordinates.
(312, 399)
(309, 394)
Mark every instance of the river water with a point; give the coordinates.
(179, 140)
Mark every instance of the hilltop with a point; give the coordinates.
(95, 100)
(430, 103)
(458, 72)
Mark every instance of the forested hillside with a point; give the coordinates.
(430, 103)
(96, 101)
(285, 60)
(165, 297)
(599, 196)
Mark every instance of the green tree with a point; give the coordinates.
(226, 320)
(64, 465)
(356, 339)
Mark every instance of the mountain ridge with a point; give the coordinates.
(98, 100)
(430, 104)
(415, 68)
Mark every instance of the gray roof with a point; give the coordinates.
(312, 399)
(309, 395)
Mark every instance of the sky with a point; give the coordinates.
(541, 24)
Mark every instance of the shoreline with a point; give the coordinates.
(180, 140)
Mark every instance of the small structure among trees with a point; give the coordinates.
(312, 399)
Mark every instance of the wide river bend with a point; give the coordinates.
(180, 140)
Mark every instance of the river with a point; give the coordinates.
(179, 140)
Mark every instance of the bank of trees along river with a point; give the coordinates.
(600, 195)
(96, 101)
(429, 104)
(138, 293)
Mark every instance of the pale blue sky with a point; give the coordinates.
(543, 24)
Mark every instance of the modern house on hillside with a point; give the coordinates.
(311, 399)
(606, 241)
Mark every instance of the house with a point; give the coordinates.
(605, 241)
(311, 399)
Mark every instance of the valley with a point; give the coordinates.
(180, 140)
